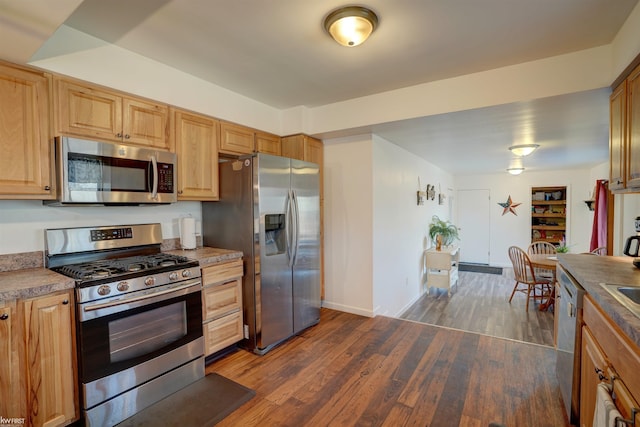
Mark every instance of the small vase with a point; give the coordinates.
(439, 242)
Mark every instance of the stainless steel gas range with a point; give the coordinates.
(139, 317)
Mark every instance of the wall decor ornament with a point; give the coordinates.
(509, 206)
(431, 192)
(421, 194)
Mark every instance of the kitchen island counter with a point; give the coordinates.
(591, 270)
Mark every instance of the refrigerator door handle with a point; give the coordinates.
(296, 226)
(288, 228)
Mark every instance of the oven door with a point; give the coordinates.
(102, 173)
(120, 333)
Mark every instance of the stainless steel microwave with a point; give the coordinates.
(102, 173)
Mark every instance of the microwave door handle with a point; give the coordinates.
(154, 166)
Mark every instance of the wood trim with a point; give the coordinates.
(625, 73)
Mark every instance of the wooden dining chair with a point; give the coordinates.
(544, 248)
(602, 250)
(536, 248)
(525, 275)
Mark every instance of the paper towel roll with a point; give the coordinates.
(188, 233)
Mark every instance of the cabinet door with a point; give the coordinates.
(88, 112)
(617, 130)
(25, 163)
(146, 124)
(313, 150)
(633, 126)
(50, 351)
(197, 147)
(592, 358)
(222, 332)
(293, 147)
(268, 144)
(236, 139)
(12, 388)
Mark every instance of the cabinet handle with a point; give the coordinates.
(65, 302)
(4, 316)
(600, 373)
(119, 135)
(127, 136)
(47, 188)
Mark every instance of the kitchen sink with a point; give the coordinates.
(629, 296)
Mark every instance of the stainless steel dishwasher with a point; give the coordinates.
(569, 312)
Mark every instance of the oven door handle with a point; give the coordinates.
(94, 307)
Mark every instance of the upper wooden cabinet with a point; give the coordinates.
(98, 113)
(196, 140)
(25, 134)
(624, 134)
(236, 139)
(302, 147)
(633, 129)
(268, 143)
(617, 136)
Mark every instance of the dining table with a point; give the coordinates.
(547, 262)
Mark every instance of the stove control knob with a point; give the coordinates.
(150, 281)
(104, 290)
(186, 273)
(173, 276)
(123, 286)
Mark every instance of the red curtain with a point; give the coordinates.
(599, 230)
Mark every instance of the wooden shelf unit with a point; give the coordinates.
(548, 214)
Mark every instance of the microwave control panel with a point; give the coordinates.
(165, 178)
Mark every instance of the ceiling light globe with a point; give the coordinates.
(351, 26)
(515, 171)
(524, 149)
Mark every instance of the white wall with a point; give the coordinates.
(400, 226)
(22, 223)
(348, 222)
(510, 229)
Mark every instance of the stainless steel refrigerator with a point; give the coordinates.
(269, 209)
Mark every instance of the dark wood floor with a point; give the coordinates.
(480, 303)
(355, 371)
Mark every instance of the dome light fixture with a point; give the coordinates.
(351, 25)
(515, 171)
(524, 149)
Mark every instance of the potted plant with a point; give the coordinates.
(562, 248)
(442, 232)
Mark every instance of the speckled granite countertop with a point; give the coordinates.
(207, 256)
(591, 270)
(32, 282)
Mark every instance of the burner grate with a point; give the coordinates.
(101, 269)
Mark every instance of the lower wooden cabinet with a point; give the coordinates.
(607, 356)
(222, 305)
(38, 371)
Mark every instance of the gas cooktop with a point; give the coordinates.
(119, 267)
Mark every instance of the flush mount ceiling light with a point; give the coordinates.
(351, 25)
(524, 149)
(515, 171)
(516, 166)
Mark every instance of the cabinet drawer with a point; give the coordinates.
(222, 272)
(222, 332)
(221, 299)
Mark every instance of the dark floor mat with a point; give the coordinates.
(479, 268)
(201, 404)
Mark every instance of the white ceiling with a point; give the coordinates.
(276, 52)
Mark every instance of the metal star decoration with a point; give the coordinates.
(509, 206)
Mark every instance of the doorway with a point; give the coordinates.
(474, 219)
